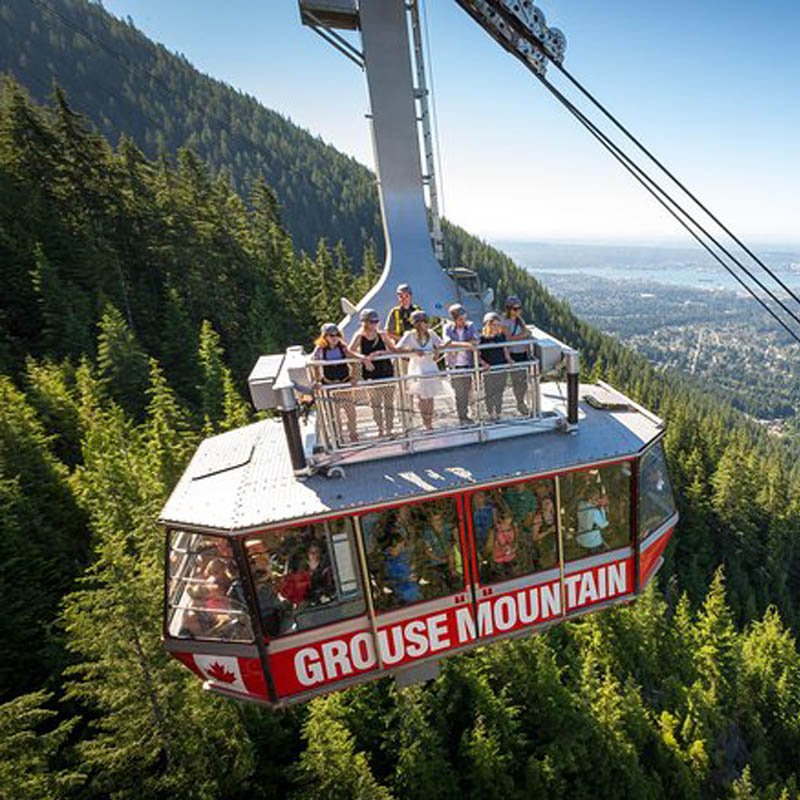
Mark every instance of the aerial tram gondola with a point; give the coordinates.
(311, 551)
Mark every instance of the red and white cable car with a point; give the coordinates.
(306, 553)
(282, 587)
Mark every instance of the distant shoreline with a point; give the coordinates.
(673, 266)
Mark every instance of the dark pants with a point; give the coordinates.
(519, 381)
(462, 388)
(494, 384)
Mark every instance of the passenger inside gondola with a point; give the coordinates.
(413, 553)
(321, 585)
(213, 613)
(515, 529)
(400, 579)
(484, 518)
(441, 552)
(503, 544)
(295, 577)
(277, 613)
(592, 520)
(596, 508)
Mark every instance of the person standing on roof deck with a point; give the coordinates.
(398, 321)
(370, 341)
(425, 380)
(493, 358)
(330, 347)
(516, 329)
(461, 335)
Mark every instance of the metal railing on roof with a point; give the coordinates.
(409, 407)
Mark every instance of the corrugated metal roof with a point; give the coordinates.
(262, 490)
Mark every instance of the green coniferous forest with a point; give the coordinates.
(138, 286)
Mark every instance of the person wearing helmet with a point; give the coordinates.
(516, 329)
(331, 349)
(460, 337)
(398, 321)
(425, 380)
(493, 356)
(374, 343)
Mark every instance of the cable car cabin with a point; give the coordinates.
(284, 582)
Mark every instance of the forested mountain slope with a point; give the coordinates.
(111, 257)
(136, 293)
(127, 84)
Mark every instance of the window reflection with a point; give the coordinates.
(595, 505)
(656, 503)
(515, 529)
(206, 600)
(304, 576)
(413, 553)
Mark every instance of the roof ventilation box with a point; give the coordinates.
(262, 382)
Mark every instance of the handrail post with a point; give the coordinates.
(287, 408)
(404, 411)
(573, 372)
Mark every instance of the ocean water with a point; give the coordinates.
(675, 266)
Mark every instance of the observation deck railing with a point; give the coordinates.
(365, 411)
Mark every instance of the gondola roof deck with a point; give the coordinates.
(243, 480)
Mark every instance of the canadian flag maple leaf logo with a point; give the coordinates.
(219, 673)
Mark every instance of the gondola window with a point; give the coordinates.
(205, 595)
(413, 553)
(304, 576)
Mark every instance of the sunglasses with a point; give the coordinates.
(515, 308)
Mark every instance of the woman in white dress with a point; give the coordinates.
(426, 382)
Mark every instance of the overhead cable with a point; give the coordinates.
(675, 180)
(646, 182)
(638, 173)
(513, 22)
(655, 189)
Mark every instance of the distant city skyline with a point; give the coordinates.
(710, 87)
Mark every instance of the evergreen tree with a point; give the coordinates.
(32, 743)
(66, 311)
(50, 389)
(155, 733)
(42, 548)
(214, 372)
(330, 768)
(422, 766)
(166, 433)
(122, 364)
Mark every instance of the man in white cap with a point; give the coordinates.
(462, 335)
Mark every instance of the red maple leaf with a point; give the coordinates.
(219, 673)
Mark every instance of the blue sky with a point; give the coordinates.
(712, 87)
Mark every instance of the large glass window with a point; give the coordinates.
(515, 529)
(305, 576)
(656, 503)
(595, 509)
(205, 597)
(413, 553)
